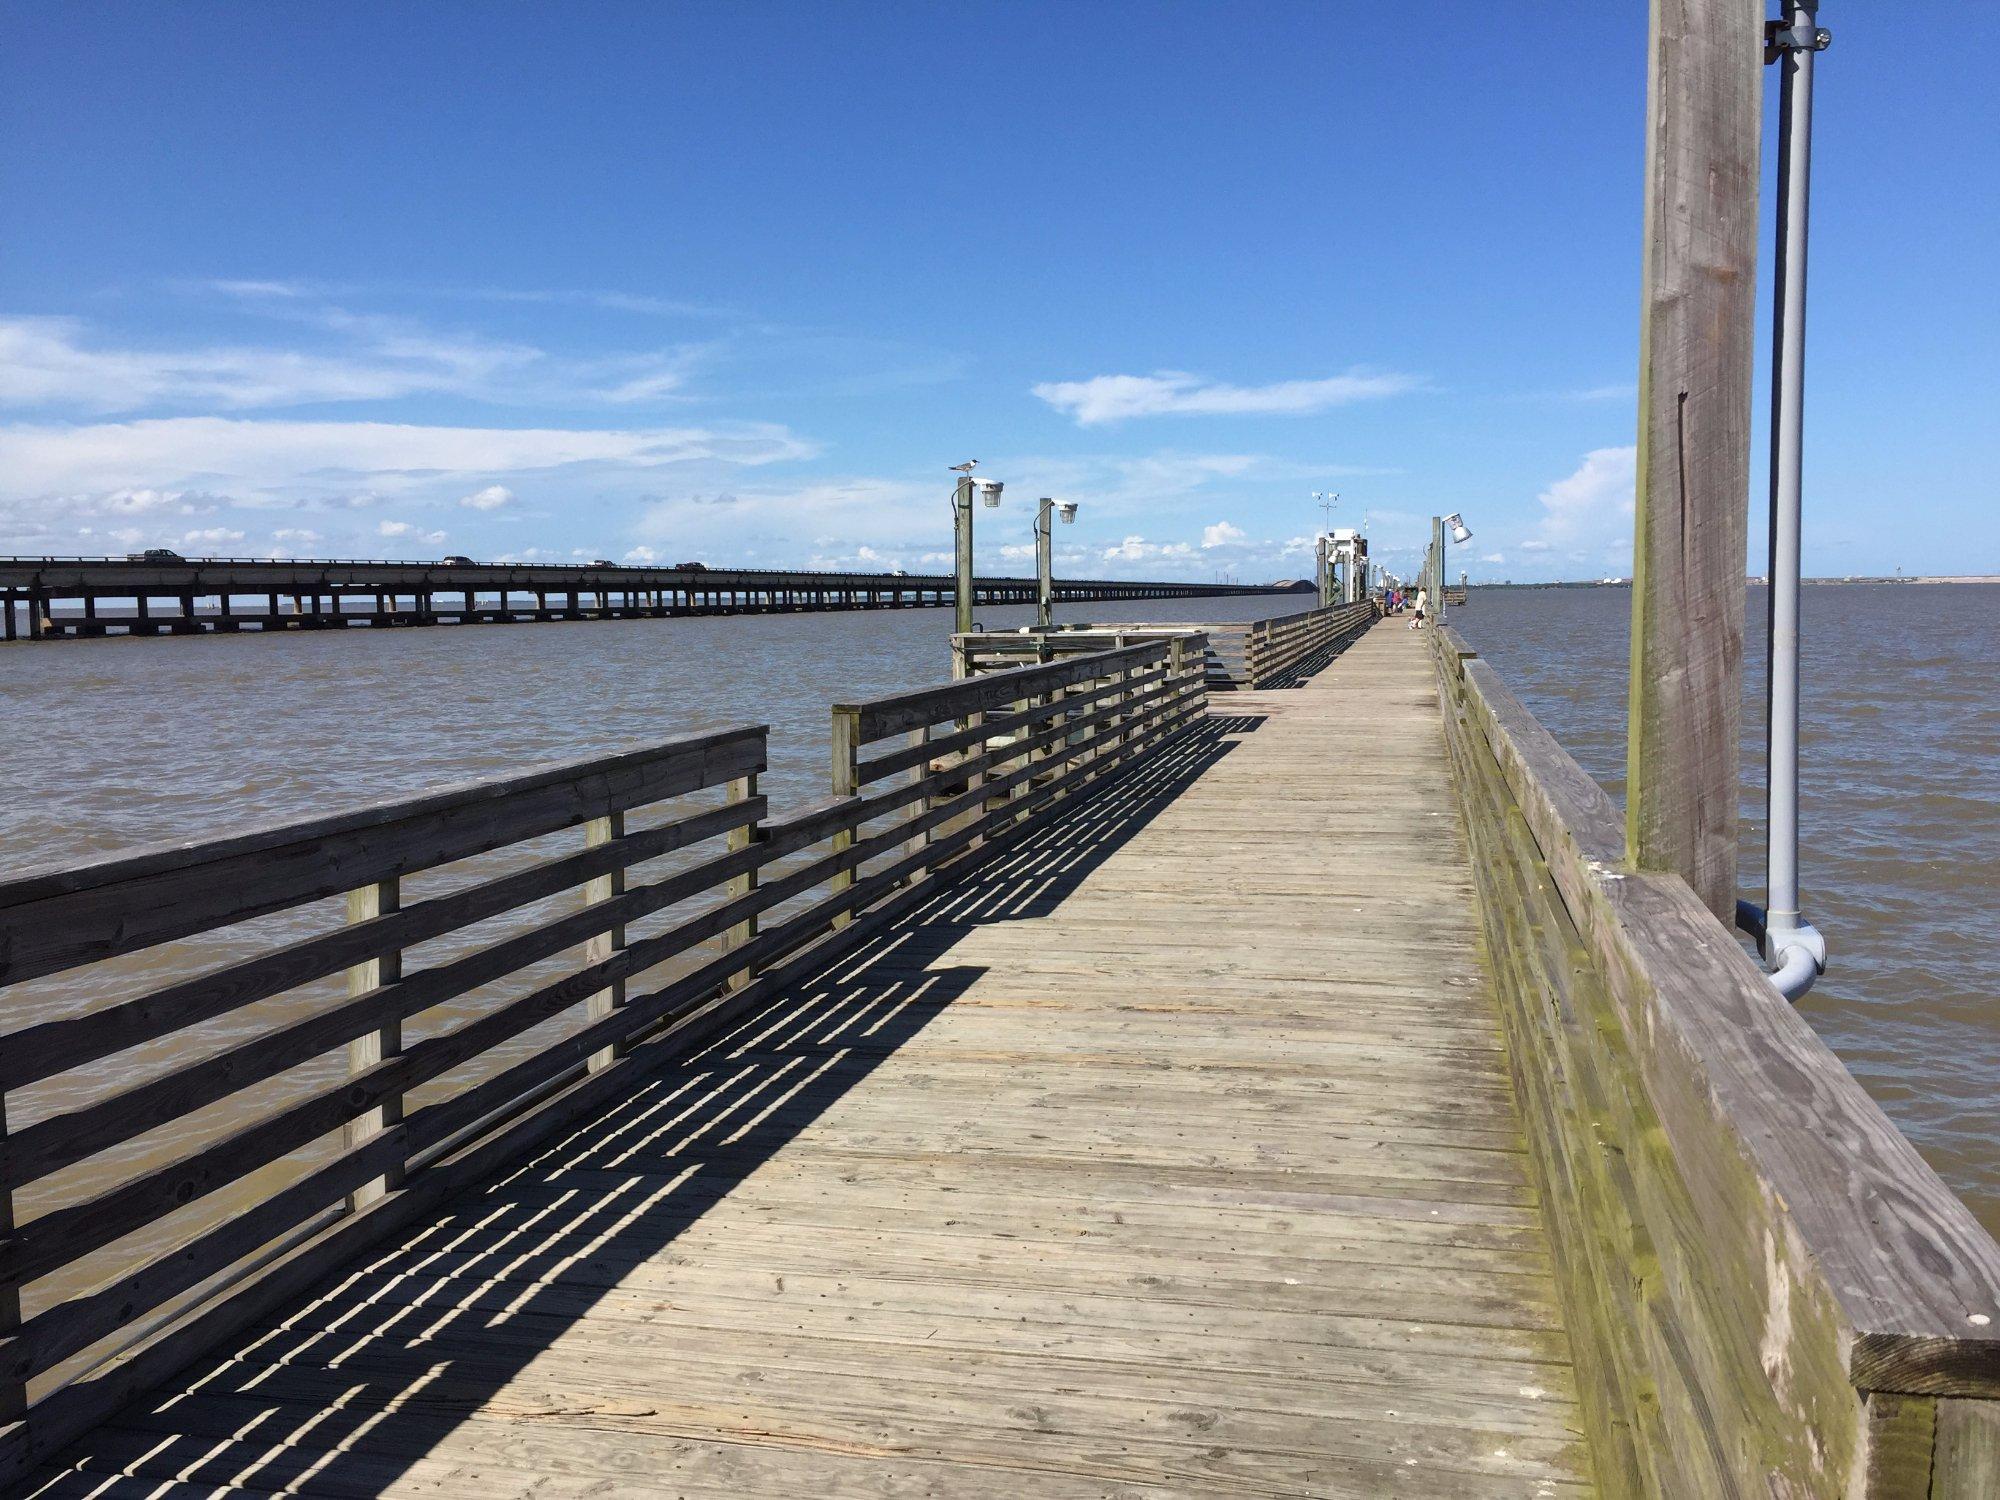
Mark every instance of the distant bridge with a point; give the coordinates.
(54, 597)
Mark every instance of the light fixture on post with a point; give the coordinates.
(961, 516)
(1459, 532)
(1045, 547)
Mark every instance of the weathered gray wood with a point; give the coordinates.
(44, 1049)
(1810, 1266)
(903, 712)
(742, 841)
(845, 781)
(1966, 1461)
(371, 1049)
(1698, 318)
(1084, 1261)
(597, 834)
(68, 1328)
(55, 919)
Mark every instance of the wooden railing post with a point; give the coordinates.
(916, 842)
(846, 783)
(597, 833)
(742, 789)
(374, 1047)
(13, 1389)
(976, 779)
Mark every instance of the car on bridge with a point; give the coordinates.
(691, 567)
(155, 555)
(457, 560)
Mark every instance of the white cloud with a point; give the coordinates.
(329, 355)
(493, 497)
(1493, 557)
(1587, 515)
(1114, 398)
(1221, 534)
(297, 536)
(409, 531)
(1138, 549)
(278, 461)
(213, 536)
(637, 555)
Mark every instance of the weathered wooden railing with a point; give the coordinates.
(1768, 1290)
(229, 1168)
(994, 651)
(1276, 651)
(1247, 654)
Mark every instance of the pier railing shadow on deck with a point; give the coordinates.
(373, 1370)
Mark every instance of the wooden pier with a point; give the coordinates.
(1106, 1091)
(55, 598)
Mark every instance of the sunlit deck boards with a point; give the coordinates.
(1174, 1153)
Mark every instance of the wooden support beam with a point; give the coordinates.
(1698, 314)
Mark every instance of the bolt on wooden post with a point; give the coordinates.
(375, 1047)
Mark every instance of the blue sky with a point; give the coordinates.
(739, 282)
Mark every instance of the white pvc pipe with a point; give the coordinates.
(1791, 946)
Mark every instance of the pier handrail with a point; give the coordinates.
(1277, 649)
(750, 900)
(1761, 1273)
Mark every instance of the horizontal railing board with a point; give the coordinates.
(51, 1144)
(41, 1050)
(906, 711)
(58, 919)
(888, 764)
(68, 1328)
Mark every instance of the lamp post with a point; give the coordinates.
(1319, 573)
(1460, 533)
(961, 515)
(1045, 551)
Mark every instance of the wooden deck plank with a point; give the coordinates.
(1175, 1153)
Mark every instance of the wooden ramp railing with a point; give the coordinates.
(1275, 652)
(1768, 1290)
(316, 1032)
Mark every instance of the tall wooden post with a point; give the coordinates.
(1705, 61)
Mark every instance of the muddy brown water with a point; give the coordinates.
(116, 743)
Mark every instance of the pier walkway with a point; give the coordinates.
(1172, 1152)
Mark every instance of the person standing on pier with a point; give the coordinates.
(1423, 598)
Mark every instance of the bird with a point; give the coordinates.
(965, 468)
